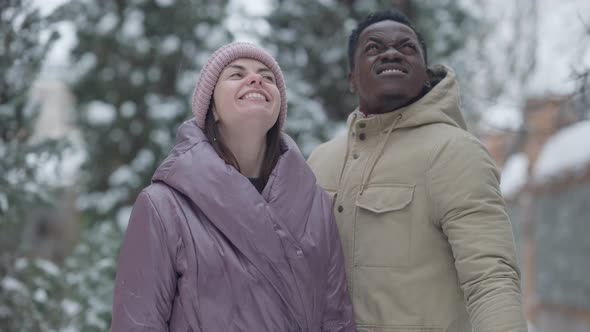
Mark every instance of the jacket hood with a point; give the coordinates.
(440, 105)
(194, 169)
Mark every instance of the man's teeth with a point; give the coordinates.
(254, 95)
(392, 71)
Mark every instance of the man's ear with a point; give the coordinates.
(351, 83)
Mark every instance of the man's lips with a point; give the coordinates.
(387, 69)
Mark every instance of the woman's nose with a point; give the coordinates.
(255, 79)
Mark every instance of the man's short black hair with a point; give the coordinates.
(392, 15)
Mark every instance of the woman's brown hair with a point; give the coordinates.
(271, 154)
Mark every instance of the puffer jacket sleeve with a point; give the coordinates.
(338, 316)
(146, 279)
(467, 204)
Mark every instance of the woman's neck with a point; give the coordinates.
(249, 149)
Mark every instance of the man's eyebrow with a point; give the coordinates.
(407, 39)
(374, 39)
(400, 41)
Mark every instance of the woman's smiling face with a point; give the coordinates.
(246, 96)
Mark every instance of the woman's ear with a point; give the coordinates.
(215, 116)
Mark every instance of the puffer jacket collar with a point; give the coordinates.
(249, 220)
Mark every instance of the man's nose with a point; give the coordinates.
(391, 53)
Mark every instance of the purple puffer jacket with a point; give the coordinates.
(204, 251)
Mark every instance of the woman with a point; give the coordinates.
(233, 234)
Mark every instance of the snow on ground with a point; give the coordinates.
(565, 152)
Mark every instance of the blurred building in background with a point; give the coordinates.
(546, 182)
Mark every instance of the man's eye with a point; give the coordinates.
(411, 45)
(238, 75)
(269, 78)
(371, 47)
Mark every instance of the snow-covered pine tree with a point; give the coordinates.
(21, 55)
(134, 68)
(26, 283)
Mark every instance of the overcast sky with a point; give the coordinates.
(561, 46)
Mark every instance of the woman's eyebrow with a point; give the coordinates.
(264, 70)
(237, 67)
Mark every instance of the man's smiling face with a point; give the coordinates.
(389, 69)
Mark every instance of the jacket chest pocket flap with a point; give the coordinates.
(384, 225)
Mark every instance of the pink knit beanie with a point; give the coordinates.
(213, 68)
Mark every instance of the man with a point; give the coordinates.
(426, 238)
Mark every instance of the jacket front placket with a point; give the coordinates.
(238, 211)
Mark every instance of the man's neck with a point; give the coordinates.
(386, 107)
(381, 108)
(377, 111)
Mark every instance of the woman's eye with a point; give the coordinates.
(269, 78)
(238, 75)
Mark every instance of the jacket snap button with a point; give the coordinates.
(299, 252)
(362, 136)
(340, 208)
(355, 156)
(362, 125)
